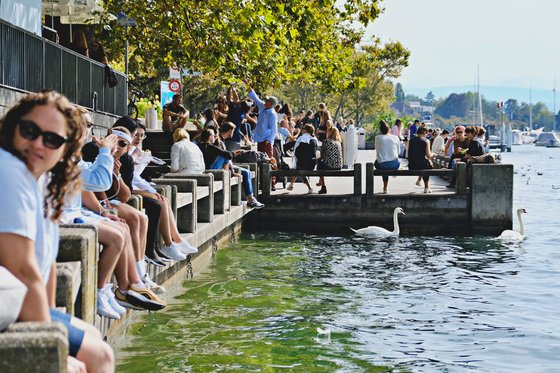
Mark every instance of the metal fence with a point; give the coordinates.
(31, 63)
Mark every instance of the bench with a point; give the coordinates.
(356, 173)
(460, 174)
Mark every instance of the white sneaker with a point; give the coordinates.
(103, 307)
(186, 248)
(290, 186)
(384, 191)
(254, 204)
(173, 252)
(158, 289)
(427, 190)
(418, 182)
(108, 290)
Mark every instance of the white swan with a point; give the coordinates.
(373, 231)
(510, 235)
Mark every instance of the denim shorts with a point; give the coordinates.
(75, 335)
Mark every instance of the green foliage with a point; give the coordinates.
(268, 42)
(144, 104)
(399, 93)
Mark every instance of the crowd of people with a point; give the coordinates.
(419, 144)
(233, 122)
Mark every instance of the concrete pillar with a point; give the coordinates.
(369, 179)
(266, 179)
(357, 179)
(461, 177)
(491, 197)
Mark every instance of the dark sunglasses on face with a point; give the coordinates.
(122, 143)
(30, 130)
(458, 132)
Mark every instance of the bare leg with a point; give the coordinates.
(113, 241)
(138, 224)
(94, 353)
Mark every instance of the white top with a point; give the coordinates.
(387, 147)
(21, 210)
(187, 157)
(438, 146)
(395, 131)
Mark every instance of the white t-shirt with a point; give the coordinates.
(387, 147)
(21, 210)
(438, 146)
(187, 157)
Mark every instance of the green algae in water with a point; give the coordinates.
(257, 308)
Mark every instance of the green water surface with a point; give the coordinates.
(261, 306)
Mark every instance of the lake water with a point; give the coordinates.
(294, 302)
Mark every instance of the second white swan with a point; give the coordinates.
(511, 235)
(374, 231)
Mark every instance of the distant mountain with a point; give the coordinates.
(494, 93)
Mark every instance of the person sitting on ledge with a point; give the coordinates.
(331, 156)
(387, 148)
(304, 155)
(174, 114)
(40, 139)
(419, 155)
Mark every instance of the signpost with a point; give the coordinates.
(175, 86)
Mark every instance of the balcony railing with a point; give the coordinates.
(31, 63)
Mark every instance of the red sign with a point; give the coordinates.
(175, 86)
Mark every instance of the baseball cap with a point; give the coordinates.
(272, 99)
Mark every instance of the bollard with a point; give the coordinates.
(369, 178)
(461, 181)
(266, 180)
(357, 179)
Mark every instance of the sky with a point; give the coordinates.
(516, 43)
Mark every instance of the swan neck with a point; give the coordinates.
(521, 229)
(396, 222)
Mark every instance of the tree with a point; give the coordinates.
(511, 108)
(430, 99)
(399, 93)
(456, 105)
(268, 42)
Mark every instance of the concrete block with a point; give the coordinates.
(205, 205)
(34, 347)
(357, 179)
(222, 196)
(187, 215)
(369, 179)
(78, 242)
(68, 282)
(491, 197)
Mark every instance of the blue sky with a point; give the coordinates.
(515, 42)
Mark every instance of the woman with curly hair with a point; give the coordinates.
(40, 140)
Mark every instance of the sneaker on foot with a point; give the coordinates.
(108, 290)
(186, 248)
(103, 307)
(157, 289)
(173, 252)
(122, 299)
(154, 261)
(254, 204)
(144, 297)
(384, 191)
(290, 186)
(427, 190)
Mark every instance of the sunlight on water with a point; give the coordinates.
(292, 302)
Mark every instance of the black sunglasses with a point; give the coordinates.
(122, 143)
(30, 130)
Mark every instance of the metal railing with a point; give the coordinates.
(31, 63)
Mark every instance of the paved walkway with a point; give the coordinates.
(402, 185)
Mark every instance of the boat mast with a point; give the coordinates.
(530, 108)
(479, 97)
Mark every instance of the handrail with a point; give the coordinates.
(30, 63)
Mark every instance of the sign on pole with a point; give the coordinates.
(174, 72)
(166, 95)
(175, 86)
